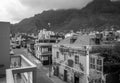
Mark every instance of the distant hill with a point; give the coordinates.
(97, 15)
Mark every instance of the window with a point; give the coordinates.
(45, 58)
(57, 54)
(44, 50)
(99, 64)
(92, 63)
(50, 49)
(96, 64)
(97, 41)
(92, 66)
(99, 68)
(65, 57)
(73, 39)
(38, 48)
(76, 59)
(92, 60)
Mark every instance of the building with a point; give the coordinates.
(30, 46)
(13, 68)
(43, 46)
(44, 34)
(74, 61)
(43, 50)
(4, 47)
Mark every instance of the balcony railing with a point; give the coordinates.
(24, 68)
(46, 53)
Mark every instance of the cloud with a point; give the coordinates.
(16, 10)
(115, 0)
(11, 9)
(56, 4)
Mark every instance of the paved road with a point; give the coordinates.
(41, 71)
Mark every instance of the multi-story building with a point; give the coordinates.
(43, 46)
(43, 50)
(74, 61)
(44, 34)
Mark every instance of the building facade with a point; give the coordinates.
(43, 50)
(4, 47)
(73, 61)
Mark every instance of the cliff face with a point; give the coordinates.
(97, 15)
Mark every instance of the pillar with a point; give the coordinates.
(87, 63)
(34, 74)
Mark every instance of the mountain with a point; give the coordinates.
(97, 15)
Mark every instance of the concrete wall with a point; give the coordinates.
(4, 46)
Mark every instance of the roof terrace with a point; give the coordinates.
(21, 71)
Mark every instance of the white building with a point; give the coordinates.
(74, 62)
(44, 34)
(43, 50)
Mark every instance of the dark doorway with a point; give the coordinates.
(76, 79)
(65, 75)
(56, 71)
(50, 59)
(57, 68)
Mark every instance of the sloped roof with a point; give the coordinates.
(84, 39)
(80, 41)
(65, 41)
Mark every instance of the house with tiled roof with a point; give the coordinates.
(74, 62)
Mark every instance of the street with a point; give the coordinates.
(41, 70)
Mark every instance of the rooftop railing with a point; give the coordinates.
(22, 69)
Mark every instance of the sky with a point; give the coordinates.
(15, 10)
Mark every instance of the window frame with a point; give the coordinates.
(76, 59)
(92, 63)
(57, 54)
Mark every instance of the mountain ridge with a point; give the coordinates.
(97, 15)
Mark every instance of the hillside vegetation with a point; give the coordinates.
(97, 15)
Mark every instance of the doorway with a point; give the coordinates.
(76, 79)
(65, 75)
(56, 71)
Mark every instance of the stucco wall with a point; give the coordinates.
(4, 46)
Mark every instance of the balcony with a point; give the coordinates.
(46, 53)
(21, 70)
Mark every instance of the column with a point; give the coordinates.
(87, 63)
(15, 78)
(34, 73)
